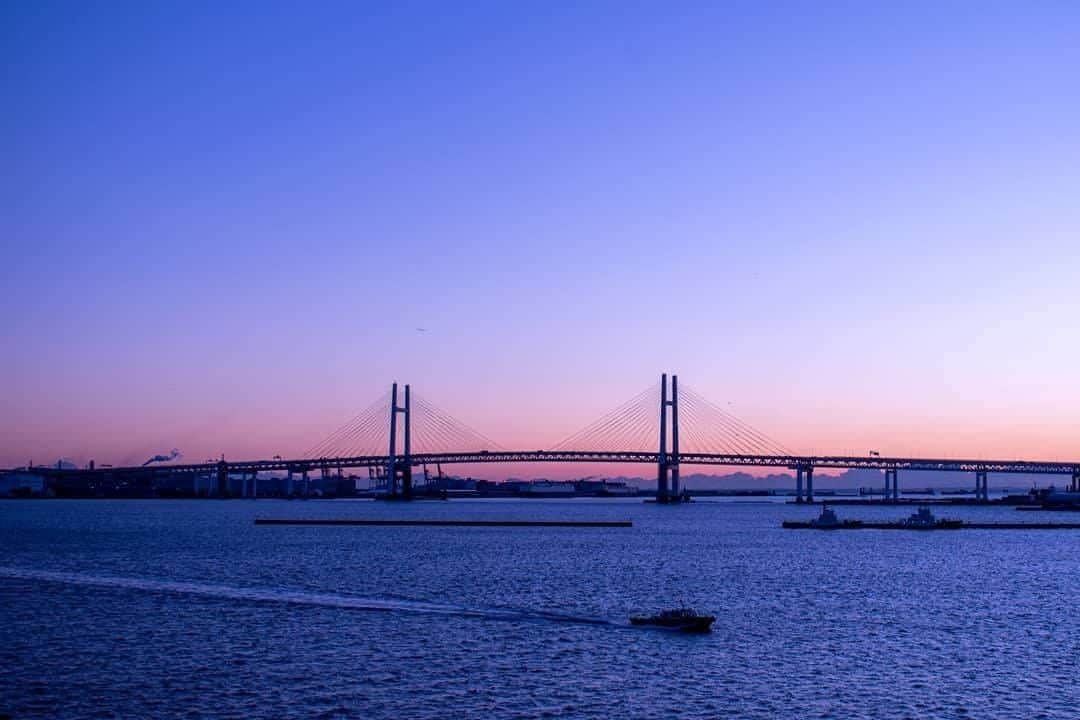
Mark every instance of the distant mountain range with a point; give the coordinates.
(848, 480)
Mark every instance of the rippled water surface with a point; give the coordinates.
(187, 609)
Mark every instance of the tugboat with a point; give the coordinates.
(923, 519)
(682, 619)
(827, 520)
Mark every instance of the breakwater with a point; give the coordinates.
(452, 523)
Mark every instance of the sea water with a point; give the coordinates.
(186, 609)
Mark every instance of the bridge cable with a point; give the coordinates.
(322, 447)
(574, 440)
(744, 435)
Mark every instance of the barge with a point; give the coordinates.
(923, 519)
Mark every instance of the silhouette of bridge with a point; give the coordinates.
(665, 426)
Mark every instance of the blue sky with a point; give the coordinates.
(223, 226)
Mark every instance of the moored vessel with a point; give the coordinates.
(827, 520)
(923, 519)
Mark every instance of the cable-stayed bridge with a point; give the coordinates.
(665, 425)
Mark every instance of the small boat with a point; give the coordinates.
(923, 519)
(682, 619)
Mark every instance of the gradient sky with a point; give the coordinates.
(221, 227)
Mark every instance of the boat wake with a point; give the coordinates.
(293, 597)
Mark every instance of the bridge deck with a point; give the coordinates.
(579, 456)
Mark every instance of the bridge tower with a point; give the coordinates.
(400, 468)
(667, 466)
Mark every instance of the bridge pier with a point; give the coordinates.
(289, 482)
(1075, 481)
(222, 479)
(809, 483)
(982, 490)
(892, 486)
(798, 484)
(304, 480)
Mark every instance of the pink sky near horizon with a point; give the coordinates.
(268, 429)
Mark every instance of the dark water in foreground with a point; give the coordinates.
(186, 609)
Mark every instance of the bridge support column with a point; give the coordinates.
(810, 483)
(304, 480)
(1076, 481)
(892, 486)
(222, 479)
(406, 470)
(289, 483)
(673, 460)
(798, 484)
(391, 465)
(982, 493)
(662, 494)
